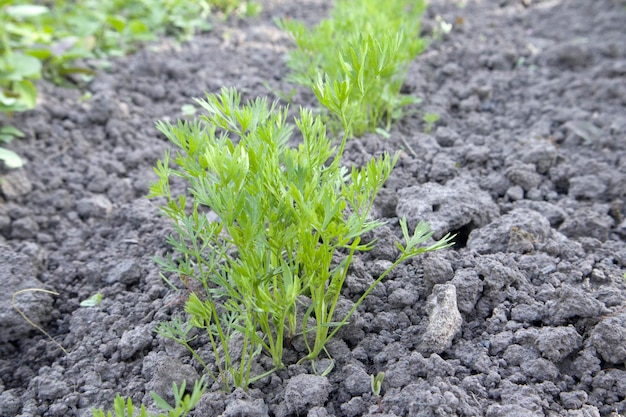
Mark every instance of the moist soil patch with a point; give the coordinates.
(525, 316)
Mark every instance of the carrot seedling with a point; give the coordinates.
(290, 221)
(368, 46)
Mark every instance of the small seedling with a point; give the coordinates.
(430, 119)
(10, 158)
(183, 403)
(188, 110)
(92, 301)
(377, 383)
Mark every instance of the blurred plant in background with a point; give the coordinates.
(51, 39)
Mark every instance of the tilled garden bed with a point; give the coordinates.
(526, 165)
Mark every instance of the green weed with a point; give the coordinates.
(367, 45)
(376, 384)
(429, 120)
(183, 403)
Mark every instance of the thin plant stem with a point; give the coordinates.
(36, 326)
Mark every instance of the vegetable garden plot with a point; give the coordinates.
(525, 164)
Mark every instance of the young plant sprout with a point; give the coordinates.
(377, 383)
(183, 403)
(291, 219)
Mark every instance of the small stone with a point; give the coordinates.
(444, 320)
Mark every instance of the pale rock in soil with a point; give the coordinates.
(444, 320)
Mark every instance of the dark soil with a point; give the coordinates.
(525, 316)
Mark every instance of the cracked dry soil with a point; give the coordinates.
(527, 164)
